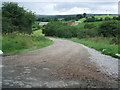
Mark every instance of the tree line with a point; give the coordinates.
(94, 19)
(74, 17)
(105, 29)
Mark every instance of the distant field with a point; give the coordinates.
(100, 16)
(81, 25)
(38, 32)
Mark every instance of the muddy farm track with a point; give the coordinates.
(65, 64)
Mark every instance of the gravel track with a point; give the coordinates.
(65, 64)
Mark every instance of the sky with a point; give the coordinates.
(72, 7)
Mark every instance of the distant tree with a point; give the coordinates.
(68, 18)
(101, 19)
(114, 18)
(79, 16)
(55, 19)
(90, 19)
(84, 14)
(118, 18)
(76, 19)
(107, 18)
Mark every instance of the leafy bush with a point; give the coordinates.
(85, 33)
(15, 18)
(89, 26)
(60, 29)
(109, 28)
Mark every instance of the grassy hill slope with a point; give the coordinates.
(100, 16)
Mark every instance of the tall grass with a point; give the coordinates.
(18, 42)
(104, 45)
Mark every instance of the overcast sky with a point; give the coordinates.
(64, 8)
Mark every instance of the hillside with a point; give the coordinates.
(100, 16)
(64, 16)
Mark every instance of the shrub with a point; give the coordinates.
(85, 33)
(109, 28)
(89, 26)
(60, 29)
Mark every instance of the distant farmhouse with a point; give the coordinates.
(60, 19)
(74, 23)
(43, 23)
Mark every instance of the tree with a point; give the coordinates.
(84, 14)
(79, 16)
(107, 18)
(89, 26)
(55, 19)
(109, 28)
(16, 19)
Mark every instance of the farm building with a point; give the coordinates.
(43, 23)
(74, 23)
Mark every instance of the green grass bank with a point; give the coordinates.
(17, 42)
(104, 45)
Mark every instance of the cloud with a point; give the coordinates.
(63, 8)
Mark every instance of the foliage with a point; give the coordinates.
(15, 18)
(84, 14)
(35, 25)
(79, 16)
(89, 26)
(104, 28)
(19, 42)
(101, 44)
(60, 29)
(109, 28)
(85, 33)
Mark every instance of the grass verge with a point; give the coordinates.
(17, 43)
(100, 44)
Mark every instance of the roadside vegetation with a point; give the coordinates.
(19, 42)
(104, 45)
(21, 30)
(18, 30)
(102, 36)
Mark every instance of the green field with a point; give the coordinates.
(38, 32)
(17, 42)
(81, 25)
(100, 16)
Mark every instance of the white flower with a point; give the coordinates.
(103, 50)
(117, 54)
(1, 52)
